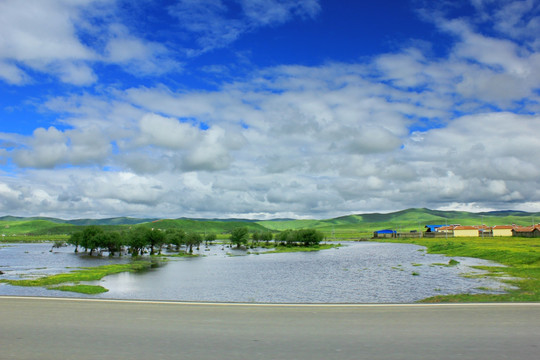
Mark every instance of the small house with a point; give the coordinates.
(433, 228)
(527, 231)
(386, 233)
(502, 230)
(464, 231)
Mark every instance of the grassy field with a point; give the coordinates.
(521, 256)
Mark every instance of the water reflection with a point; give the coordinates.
(355, 273)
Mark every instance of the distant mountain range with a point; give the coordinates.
(409, 219)
(420, 213)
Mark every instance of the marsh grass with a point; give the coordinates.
(71, 281)
(80, 288)
(521, 257)
(288, 249)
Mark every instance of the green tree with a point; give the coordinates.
(239, 236)
(155, 238)
(113, 241)
(91, 238)
(255, 237)
(209, 238)
(75, 239)
(176, 237)
(309, 237)
(267, 236)
(284, 236)
(138, 240)
(193, 239)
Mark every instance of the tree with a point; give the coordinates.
(239, 236)
(267, 236)
(155, 238)
(209, 238)
(193, 239)
(138, 240)
(76, 240)
(176, 237)
(113, 242)
(255, 237)
(309, 237)
(284, 236)
(91, 238)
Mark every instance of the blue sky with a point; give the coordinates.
(267, 108)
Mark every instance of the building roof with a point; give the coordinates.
(433, 228)
(465, 228)
(385, 231)
(527, 228)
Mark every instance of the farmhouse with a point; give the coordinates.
(461, 231)
(502, 230)
(527, 231)
(386, 233)
(433, 228)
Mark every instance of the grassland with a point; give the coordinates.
(356, 227)
(350, 227)
(288, 249)
(521, 257)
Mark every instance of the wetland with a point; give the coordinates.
(357, 272)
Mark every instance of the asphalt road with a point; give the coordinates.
(34, 328)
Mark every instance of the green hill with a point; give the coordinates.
(215, 226)
(363, 225)
(344, 227)
(32, 227)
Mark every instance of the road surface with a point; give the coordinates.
(45, 328)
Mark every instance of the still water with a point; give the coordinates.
(355, 273)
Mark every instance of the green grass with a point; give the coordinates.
(82, 289)
(32, 238)
(521, 257)
(178, 254)
(62, 281)
(289, 249)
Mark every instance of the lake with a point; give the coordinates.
(358, 272)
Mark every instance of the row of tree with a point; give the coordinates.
(305, 237)
(141, 239)
(137, 240)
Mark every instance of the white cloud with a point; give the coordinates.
(12, 74)
(41, 34)
(47, 148)
(167, 132)
(67, 39)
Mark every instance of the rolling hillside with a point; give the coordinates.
(363, 225)
(344, 227)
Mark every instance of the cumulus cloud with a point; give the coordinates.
(48, 148)
(167, 132)
(41, 35)
(51, 37)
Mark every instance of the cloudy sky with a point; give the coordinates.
(267, 108)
